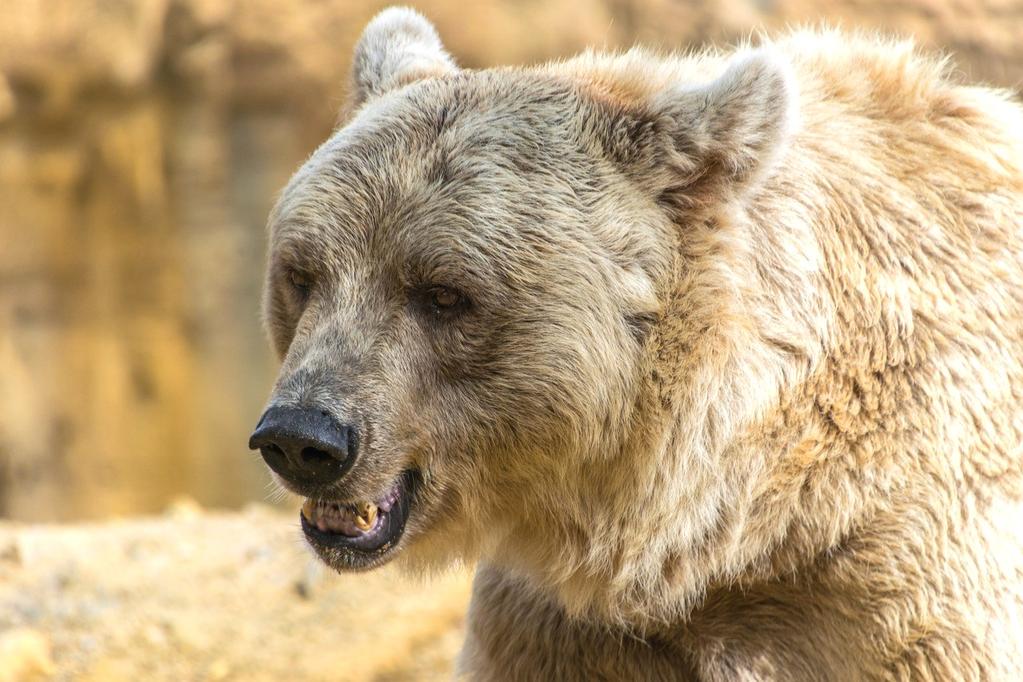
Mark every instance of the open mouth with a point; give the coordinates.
(350, 536)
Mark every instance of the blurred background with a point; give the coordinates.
(142, 143)
(141, 146)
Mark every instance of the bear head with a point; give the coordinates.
(467, 285)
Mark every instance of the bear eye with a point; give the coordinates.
(442, 301)
(444, 298)
(301, 281)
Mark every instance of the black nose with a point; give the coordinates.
(305, 446)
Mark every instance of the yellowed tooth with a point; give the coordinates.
(308, 507)
(366, 515)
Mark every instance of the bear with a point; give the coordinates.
(710, 363)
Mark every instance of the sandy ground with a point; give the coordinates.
(195, 595)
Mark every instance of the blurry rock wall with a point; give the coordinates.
(141, 145)
(55, 53)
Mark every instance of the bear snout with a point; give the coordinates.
(305, 446)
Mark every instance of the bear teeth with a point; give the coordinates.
(365, 515)
(309, 510)
(333, 517)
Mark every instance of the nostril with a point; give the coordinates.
(316, 456)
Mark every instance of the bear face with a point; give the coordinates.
(478, 313)
(469, 277)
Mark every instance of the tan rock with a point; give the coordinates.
(62, 47)
(8, 104)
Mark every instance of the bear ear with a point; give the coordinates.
(696, 144)
(399, 46)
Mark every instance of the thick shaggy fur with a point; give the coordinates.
(737, 392)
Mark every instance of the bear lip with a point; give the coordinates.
(350, 536)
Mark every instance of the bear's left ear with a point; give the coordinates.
(693, 145)
(399, 46)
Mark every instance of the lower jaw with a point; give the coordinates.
(364, 551)
(343, 555)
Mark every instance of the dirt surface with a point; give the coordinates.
(196, 595)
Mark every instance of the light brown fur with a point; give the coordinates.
(740, 395)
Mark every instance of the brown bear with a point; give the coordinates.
(713, 363)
